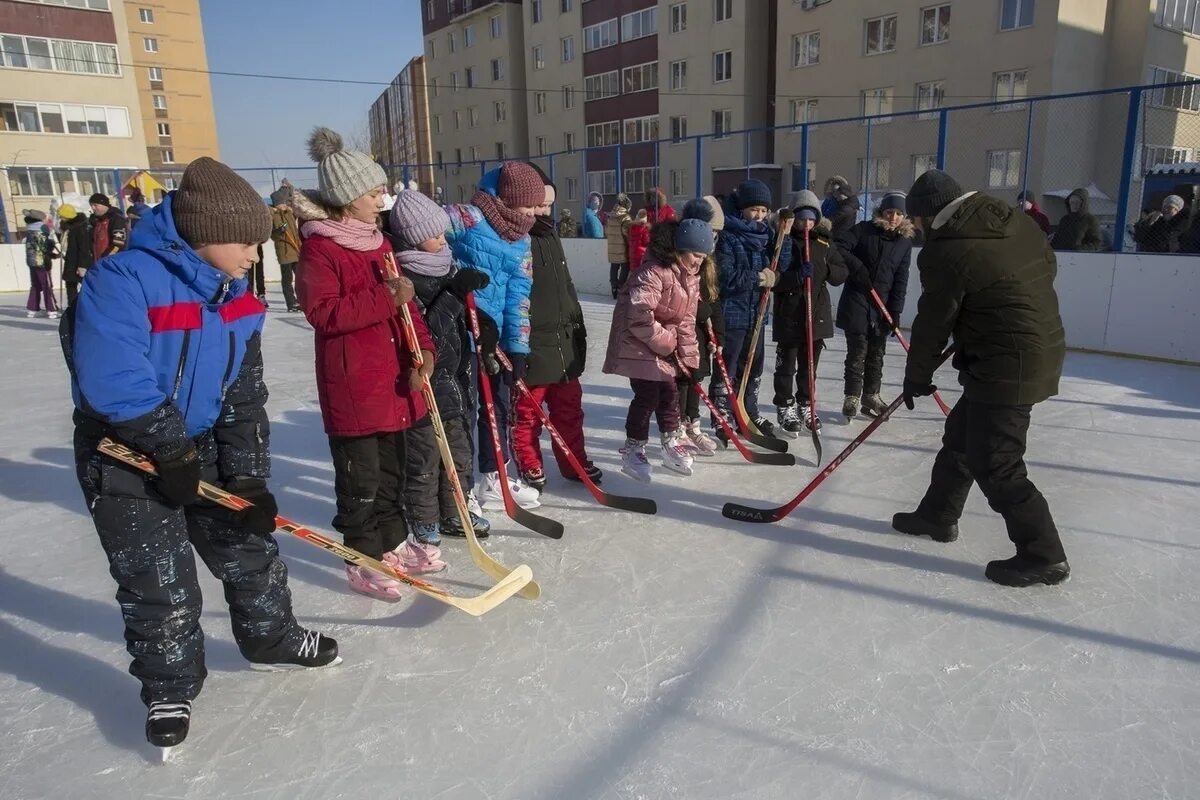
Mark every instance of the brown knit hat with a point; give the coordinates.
(215, 205)
(520, 186)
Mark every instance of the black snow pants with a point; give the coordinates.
(864, 363)
(369, 483)
(430, 496)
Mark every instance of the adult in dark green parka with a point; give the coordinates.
(987, 279)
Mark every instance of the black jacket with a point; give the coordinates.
(842, 220)
(78, 252)
(1163, 236)
(1078, 230)
(557, 335)
(829, 269)
(453, 377)
(708, 310)
(879, 258)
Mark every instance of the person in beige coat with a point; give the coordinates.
(616, 230)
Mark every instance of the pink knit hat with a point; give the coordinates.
(520, 186)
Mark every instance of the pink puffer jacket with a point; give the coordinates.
(654, 320)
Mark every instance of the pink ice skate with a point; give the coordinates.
(415, 557)
(366, 582)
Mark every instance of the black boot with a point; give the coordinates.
(1022, 571)
(316, 650)
(167, 722)
(914, 525)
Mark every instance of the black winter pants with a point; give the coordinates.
(791, 372)
(430, 496)
(369, 484)
(149, 548)
(287, 274)
(617, 275)
(985, 444)
(864, 363)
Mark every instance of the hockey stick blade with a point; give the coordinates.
(816, 440)
(743, 513)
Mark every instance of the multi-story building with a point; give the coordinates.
(475, 73)
(554, 58)
(69, 108)
(167, 42)
(399, 127)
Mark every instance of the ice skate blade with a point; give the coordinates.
(292, 667)
(164, 754)
(790, 434)
(635, 476)
(686, 473)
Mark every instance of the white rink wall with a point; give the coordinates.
(1130, 304)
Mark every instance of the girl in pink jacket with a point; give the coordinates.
(653, 329)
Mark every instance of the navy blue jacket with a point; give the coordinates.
(744, 249)
(164, 348)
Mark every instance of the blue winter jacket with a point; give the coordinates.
(592, 227)
(157, 341)
(509, 265)
(744, 249)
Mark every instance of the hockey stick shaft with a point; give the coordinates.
(785, 229)
(887, 317)
(812, 361)
(739, 411)
(778, 459)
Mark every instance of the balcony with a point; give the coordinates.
(463, 8)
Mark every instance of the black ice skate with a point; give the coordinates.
(167, 724)
(915, 525)
(1023, 571)
(316, 650)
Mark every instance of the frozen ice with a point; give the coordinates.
(676, 656)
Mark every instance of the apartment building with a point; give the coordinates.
(399, 128)
(175, 96)
(555, 54)
(69, 108)
(475, 72)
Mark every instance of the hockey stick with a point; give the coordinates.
(776, 459)
(887, 317)
(475, 606)
(812, 364)
(748, 514)
(739, 412)
(785, 229)
(489, 565)
(523, 517)
(638, 505)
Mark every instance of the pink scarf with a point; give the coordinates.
(352, 234)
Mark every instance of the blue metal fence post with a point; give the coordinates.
(746, 152)
(657, 163)
(699, 166)
(943, 133)
(866, 173)
(117, 187)
(620, 177)
(1028, 142)
(1131, 127)
(804, 156)
(407, 175)
(5, 231)
(550, 169)
(482, 169)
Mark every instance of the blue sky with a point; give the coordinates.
(265, 122)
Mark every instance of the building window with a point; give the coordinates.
(539, 102)
(722, 123)
(539, 57)
(803, 178)
(472, 117)
(470, 77)
(429, 12)
(432, 49)
(58, 55)
(568, 49)
(433, 85)
(168, 155)
(678, 182)
(497, 69)
(1019, 13)
(156, 77)
(602, 34)
(568, 93)
(935, 24)
(468, 36)
(496, 26)
(564, 6)
(876, 102)
(598, 87)
(602, 181)
(500, 151)
(458, 156)
(572, 189)
(454, 81)
(678, 75)
(603, 134)
(1152, 155)
(722, 66)
(923, 163)
(160, 102)
(640, 179)
(164, 129)
(930, 96)
(641, 129)
(540, 145)
(803, 111)
(1004, 169)
(881, 35)
(146, 15)
(722, 10)
(457, 120)
(569, 141)
(150, 44)
(639, 24)
(678, 129)
(437, 123)
(641, 78)
(20, 117)
(474, 153)
(874, 174)
(806, 49)
(1182, 98)
(1010, 86)
(1180, 15)
(678, 17)
(535, 11)
(451, 41)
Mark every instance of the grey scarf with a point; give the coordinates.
(435, 265)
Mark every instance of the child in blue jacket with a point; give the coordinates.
(164, 349)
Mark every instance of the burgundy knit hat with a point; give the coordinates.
(520, 185)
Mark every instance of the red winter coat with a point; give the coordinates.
(1039, 217)
(639, 240)
(362, 363)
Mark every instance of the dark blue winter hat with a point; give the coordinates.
(893, 201)
(694, 236)
(753, 193)
(697, 208)
(930, 193)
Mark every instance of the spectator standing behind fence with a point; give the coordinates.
(1164, 233)
(1029, 205)
(568, 228)
(639, 240)
(1078, 229)
(657, 208)
(593, 228)
(616, 230)
(76, 249)
(286, 237)
(39, 256)
(110, 230)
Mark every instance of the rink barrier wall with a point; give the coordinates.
(1147, 306)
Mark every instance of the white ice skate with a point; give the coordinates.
(633, 460)
(675, 455)
(488, 490)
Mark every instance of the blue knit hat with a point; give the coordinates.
(694, 236)
(753, 193)
(893, 201)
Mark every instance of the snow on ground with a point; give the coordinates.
(676, 656)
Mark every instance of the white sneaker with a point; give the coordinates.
(633, 460)
(31, 314)
(488, 491)
(52, 315)
(675, 455)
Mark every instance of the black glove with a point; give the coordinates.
(179, 477)
(467, 280)
(520, 367)
(489, 334)
(258, 518)
(913, 389)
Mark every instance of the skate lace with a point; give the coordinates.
(638, 454)
(163, 710)
(790, 415)
(310, 644)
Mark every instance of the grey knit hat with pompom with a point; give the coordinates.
(343, 175)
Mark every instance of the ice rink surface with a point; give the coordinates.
(677, 656)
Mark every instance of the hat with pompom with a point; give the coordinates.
(343, 175)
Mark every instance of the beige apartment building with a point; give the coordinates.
(69, 112)
(169, 61)
(399, 128)
(553, 68)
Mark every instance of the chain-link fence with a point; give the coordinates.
(1123, 152)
